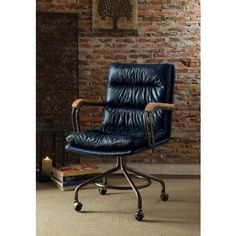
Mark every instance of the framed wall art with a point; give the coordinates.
(115, 15)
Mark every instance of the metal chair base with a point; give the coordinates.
(107, 186)
(121, 165)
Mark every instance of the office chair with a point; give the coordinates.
(137, 116)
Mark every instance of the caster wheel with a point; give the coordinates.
(139, 215)
(164, 197)
(78, 206)
(102, 191)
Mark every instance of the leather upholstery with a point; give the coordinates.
(130, 88)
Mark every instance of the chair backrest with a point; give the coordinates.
(131, 87)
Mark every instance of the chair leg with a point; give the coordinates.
(164, 195)
(139, 213)
(77, 204)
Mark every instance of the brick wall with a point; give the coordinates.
(168, 31)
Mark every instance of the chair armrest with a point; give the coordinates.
(76, 105)
(83, 101)
(151, 106)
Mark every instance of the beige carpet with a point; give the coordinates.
(113, 214)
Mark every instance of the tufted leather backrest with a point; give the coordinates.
(130, 88)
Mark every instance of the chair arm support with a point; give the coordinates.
(83, 101)
(76, 105)
(150, 107)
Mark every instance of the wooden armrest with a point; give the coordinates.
(79, 102)
(150, 107)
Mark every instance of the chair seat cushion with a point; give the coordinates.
(97, 140)
(100, 140)
(110, 140)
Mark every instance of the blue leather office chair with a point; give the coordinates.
(137, 116)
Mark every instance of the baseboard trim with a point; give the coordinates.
(168, 170)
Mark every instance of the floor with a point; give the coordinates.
(113, 213)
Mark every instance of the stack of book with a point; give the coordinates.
(69, 177)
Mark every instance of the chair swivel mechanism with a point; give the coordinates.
(137, 115)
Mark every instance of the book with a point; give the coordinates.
(74, 170)
(86, 168)
(67, 186)
(72, 178)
